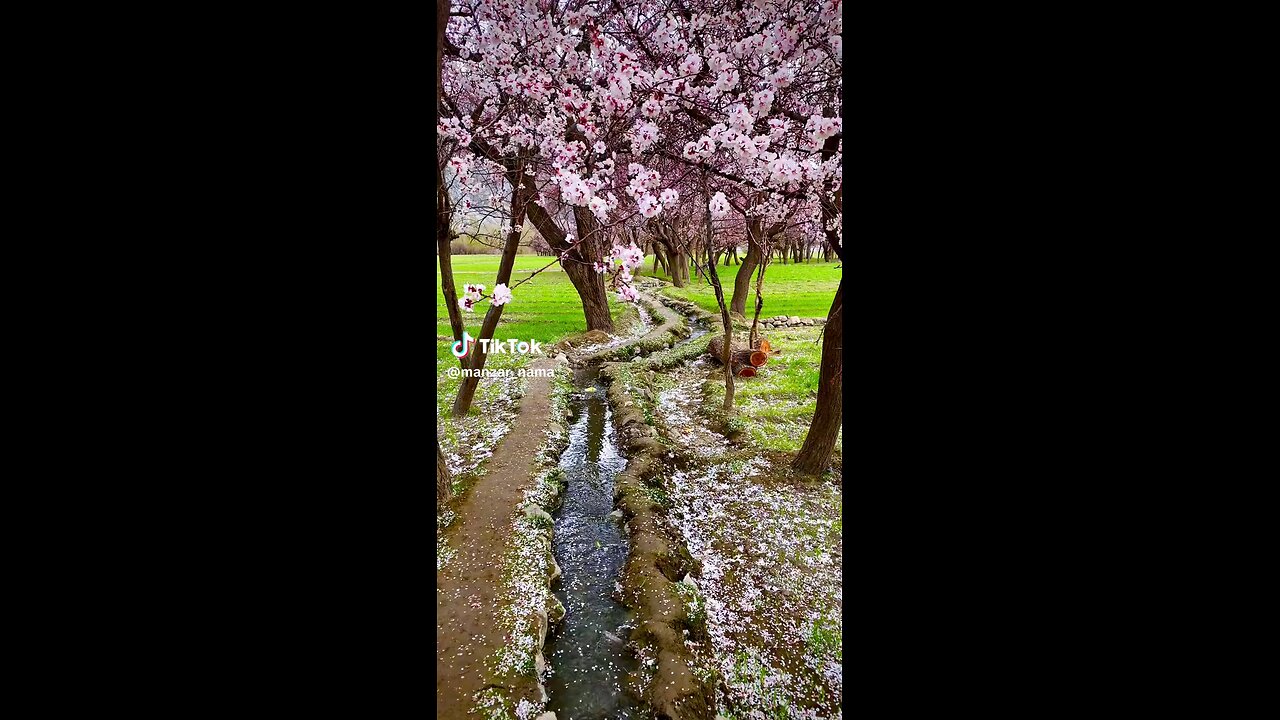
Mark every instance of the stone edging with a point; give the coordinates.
(657, 562)
(672, 326)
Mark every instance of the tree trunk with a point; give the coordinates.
(660, 256)
(742, 283)
(577, 265)
(591, 290)
(444, 482)
(475, 359)
(680, 269)
(728, 333)
(815, 455)
(444, 210)
(595, 305)
(443, 7)
(444, 236)
(759, 243)
(724, 312)
(755, 320)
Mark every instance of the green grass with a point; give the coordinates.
(805, 290)
(776, 407)
(824, 639)
(546, 309)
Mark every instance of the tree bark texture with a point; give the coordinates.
(820, 442)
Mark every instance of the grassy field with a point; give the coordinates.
(805, 290)
(546, 309)
(775, 408)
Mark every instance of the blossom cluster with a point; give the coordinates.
(586, 87)
(621, 263)
(472, 294)
(820, 128)
(719, 206)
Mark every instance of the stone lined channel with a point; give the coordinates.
(587, 655)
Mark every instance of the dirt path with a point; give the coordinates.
(467, 587)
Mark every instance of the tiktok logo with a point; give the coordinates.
(463, 346)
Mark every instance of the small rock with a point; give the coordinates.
(807, 322)
(793, 320)
(533, 512)
(561, 357)
(616, 513)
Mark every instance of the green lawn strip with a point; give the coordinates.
(547, 308)
(775, 407)
(805, 290)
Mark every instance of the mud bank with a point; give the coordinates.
(668, 628)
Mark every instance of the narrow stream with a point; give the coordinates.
(587, 653)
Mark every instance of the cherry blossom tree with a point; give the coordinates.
(596, 109)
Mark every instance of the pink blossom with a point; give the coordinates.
(762, 102)
(648, 205)
(600, 208)
(501, 294)
(691, 65)
(719, 206)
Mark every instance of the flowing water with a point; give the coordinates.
(587, 653)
